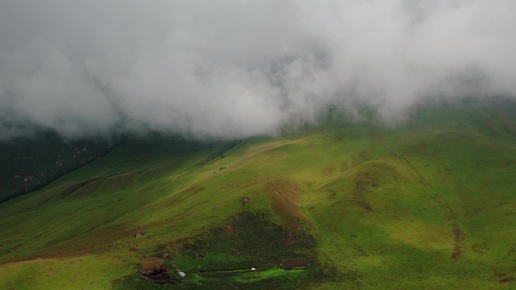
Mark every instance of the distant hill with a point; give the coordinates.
(427, 204)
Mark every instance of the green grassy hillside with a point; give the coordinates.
(429, 205)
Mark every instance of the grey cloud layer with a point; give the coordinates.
(240, 68)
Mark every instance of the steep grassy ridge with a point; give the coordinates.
(429, 205)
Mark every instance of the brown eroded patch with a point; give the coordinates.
(458, 237)
(228, 228)
(152, 266)
(285, 195)
(364, 182)
(234, 252)
(506, 280)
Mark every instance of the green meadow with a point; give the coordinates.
(426, 204)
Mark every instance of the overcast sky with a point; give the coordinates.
(238, 68)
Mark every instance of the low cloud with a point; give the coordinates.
(236, 68)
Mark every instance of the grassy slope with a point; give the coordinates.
(429, 205)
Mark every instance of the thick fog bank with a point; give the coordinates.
(233, 69)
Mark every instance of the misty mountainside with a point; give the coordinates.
(428, 204)
(31, 162)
